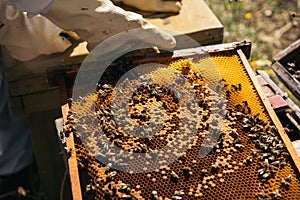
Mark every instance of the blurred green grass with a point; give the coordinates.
(266, 23)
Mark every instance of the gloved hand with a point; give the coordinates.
(153, 5)
(26, 38)
(97, 20)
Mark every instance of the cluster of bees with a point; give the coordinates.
(294, 70)
(214, 146)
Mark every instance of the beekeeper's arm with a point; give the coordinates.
(26, 38)
(95, 20)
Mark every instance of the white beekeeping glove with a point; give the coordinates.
(27, 38)
(97, 20)
(153, 5)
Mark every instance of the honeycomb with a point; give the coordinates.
(219, 144)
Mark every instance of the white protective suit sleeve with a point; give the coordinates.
(96, 20)
(15, 145)
(27, 38)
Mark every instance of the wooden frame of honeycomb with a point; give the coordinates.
(253, 159)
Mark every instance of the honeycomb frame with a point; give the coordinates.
(260, 195)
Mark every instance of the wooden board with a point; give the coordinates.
(49, 160)
(195, 20)
(42, 101)
(72, 161)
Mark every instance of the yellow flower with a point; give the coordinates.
(248, 15)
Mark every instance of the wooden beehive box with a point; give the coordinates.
(195, 20)
(286, 64)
